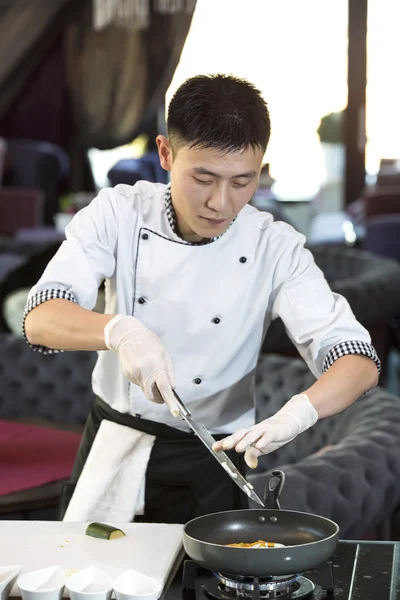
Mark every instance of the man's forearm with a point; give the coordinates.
(64, 325)
(346, 380)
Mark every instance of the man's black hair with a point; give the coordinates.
(221, 112)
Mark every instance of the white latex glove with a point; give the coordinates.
(144, 359)
(293, 418)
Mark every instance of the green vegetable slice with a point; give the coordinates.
(103, 531)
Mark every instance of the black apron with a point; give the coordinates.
(183, 480)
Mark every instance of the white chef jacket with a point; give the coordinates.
(211, 304)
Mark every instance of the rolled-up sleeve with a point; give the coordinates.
(319, 321)
(83, 261)
(35, 300)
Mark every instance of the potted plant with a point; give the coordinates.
(69, 205)
(330, 132)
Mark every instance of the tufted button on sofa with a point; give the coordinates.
(346, 467)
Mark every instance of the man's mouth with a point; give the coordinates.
(215, 221)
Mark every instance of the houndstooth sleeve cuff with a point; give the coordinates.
(352, 347)
(38, 298)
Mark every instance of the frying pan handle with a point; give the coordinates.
(273, 489)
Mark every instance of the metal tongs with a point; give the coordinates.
(202, 432)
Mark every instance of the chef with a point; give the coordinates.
(193, 278)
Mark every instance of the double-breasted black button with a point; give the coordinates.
(242, 259)
(216, 320)
(197, 381)
(145, 236)
(142, 300)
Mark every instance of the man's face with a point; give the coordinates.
(209, 187)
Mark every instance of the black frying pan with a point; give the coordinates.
(309, 539)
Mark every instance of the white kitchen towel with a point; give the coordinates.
(111, 485)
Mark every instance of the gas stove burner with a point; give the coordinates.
(244, 586)
(234, 587)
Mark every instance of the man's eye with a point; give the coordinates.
(239, 185)
(202, 181)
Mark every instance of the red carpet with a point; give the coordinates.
(31, 456)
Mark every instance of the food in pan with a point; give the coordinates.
(103, 531)
(257, 544)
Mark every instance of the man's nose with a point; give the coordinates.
(219, 200)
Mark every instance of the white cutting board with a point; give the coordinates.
(151, 549)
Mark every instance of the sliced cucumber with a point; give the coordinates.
(103, 531)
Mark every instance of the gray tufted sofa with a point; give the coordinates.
(54, 389)
(356, 482)
(346, 467)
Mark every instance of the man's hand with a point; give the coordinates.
(295, 417)
(144, 359)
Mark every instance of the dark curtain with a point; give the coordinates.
(28, 28)
(42, 111)
(93, 88)
(117, 78)
(106, 73)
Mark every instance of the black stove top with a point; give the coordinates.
(357, 571)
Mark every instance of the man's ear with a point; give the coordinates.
(164, 152)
